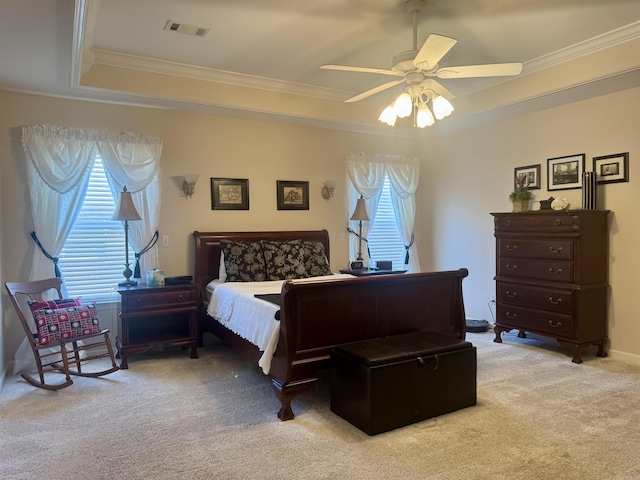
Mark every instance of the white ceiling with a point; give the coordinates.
(279, 45)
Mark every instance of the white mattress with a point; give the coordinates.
(234, 305)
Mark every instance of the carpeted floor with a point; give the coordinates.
(539, 416)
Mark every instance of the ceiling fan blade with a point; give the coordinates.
(346, 68)
(373, 91)
(437, 88)
(490, 70)
(434, 48)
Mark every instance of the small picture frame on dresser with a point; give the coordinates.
(564, 173)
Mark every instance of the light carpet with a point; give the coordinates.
(539, 416)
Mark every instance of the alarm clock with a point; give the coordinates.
(357, 265)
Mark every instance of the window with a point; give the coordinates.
(384, 238)
(92, 259)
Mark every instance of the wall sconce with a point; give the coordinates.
(327, 189)
(189, 184)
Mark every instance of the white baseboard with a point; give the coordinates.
(624, 357)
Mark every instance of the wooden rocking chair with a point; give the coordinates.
(58, 354)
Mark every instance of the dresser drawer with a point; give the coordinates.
(523, 318)
(541, 298)
(553, 271)
(520, 247)
(160, 299)
(536, 221)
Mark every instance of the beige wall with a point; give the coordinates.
(192, 143)
(468, 173)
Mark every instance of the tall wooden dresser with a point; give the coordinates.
(552, 276)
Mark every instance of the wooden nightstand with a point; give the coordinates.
(155, 315)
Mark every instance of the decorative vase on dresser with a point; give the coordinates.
(552, 276)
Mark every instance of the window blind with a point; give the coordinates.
(92, 259)
(384, 239)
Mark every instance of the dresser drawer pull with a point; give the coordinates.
(511, 248)
(555, 302)
(512, 316)
(508, 222)
(558, 221)
(511, 294)
(555, 272)
(555, 250)
(511, 267)
(555, 325)
(181, 298)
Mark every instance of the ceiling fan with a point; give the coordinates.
(418, 68)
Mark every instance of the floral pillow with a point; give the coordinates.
(284, 260)
(315, 259)
(66, 323)
(243, 261)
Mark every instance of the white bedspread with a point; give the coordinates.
(234, 305)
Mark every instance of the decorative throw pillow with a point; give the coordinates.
(284, 260)
(66, 323)
(243, 261)
(315, 259)
(58, 303)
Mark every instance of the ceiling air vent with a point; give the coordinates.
(185, 29)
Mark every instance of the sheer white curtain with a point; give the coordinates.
(59, 162)
(366, 173)
(132, 161)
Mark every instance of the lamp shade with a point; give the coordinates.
(360, 212)
(442, 107)
(126, 210)
(403, 105)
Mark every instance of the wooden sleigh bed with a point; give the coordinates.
(317, 316)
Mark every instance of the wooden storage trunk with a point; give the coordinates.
(386, 383)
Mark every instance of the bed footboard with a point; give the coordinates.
(318, 316)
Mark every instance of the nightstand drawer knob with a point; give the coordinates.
(555, 302)
(512, 248)
(512, 316)
(558, 221)
(511, 294)
(555, 272)
(555, 250)
(181, 298)
(508, 266)
(555, 325)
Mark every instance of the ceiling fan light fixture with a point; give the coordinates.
(403, 106)
(388, 116)
(441, 107)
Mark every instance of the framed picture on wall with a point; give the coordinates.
(293, 195)
(229, 194)
(564, 173)
(612, 168)
(532, 175)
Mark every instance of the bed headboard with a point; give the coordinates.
(207, 257)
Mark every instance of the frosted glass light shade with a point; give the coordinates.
(441, 107)
(424, 118)
(388, 116)
(403, 105)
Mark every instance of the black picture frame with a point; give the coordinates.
(292, 195)
(565, 173)
(612, 168)
(229, 194)
(533, 176)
